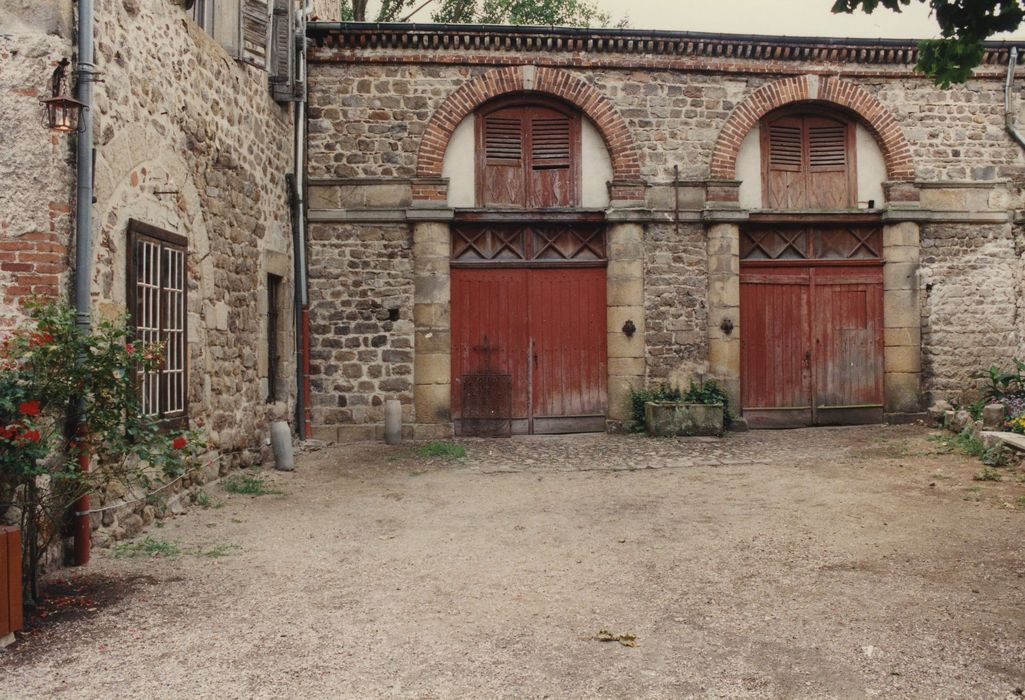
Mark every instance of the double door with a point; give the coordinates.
(811, 342)
(529, 350)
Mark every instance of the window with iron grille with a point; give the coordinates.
(157, 264)
(273, 339)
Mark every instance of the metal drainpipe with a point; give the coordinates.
(299, 293)
(83, 239)
(1012, 63)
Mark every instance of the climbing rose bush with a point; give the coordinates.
(66, 393)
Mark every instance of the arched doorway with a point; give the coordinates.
(811, 279)
(528, 283)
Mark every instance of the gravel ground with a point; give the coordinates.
(843, 562)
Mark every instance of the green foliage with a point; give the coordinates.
(217, 551)
(639, 397)
(1001, 384)
(67, 394)
(975, 409)
(147, 547)
(248, 485)
(442, 450)
(964, 26)
(987, 474)
(707, 392)
(574, 13)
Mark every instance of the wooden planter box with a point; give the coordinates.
(672, 418)
(10, 583)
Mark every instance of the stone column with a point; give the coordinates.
(724, 308)
(902, 319)
(625, 303)
(432, 368)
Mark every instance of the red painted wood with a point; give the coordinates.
(10, 580)
(811, 342)
(568, 335)
(545, 328)
(490, 331)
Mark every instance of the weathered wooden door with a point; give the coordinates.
(811, 320)
(528, 319)
(529, 350)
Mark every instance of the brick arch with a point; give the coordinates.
(895, 147)
(550, 81)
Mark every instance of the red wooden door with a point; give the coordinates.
(811, 343)
(542, 333)
(568, 339)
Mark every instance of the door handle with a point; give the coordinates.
(807, 358)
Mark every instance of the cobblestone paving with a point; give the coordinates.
(603, 452)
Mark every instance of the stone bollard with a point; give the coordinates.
(937, 412)
(392, 422)
(993, 417)
(281, 443)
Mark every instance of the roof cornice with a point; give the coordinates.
(499, 38)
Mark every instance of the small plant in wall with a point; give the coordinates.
(67, 393)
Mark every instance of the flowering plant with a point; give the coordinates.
(66, 394)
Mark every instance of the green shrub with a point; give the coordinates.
(707, 392)
(442, 450)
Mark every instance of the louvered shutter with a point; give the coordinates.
(254, 31)
(551, 159)
(282, 56)
(501, 145)
(808, 163)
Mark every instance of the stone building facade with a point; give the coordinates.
(188, 142)
(678, 115)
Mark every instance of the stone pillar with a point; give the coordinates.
(432, 368)
(724, 308)
(902, 319)
(625, 303)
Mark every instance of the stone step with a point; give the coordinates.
(1010, 439)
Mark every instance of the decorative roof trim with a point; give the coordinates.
(477, 37)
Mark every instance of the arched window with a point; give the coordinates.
(808, 161)
(528, 155)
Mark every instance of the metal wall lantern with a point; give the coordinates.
(62, 111)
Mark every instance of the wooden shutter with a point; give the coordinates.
(551, 159)
(500, 143)
(282, 55)
(528, 156)
(808, 163)
(254, 31)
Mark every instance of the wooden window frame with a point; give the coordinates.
(811, 111)
(274, 286)
(527, 101)
(139, 232)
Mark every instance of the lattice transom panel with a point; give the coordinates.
(534, 242)
(811, 243)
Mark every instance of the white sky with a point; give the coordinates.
(786, 17)
(781, 17)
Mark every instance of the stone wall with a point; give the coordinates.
(37, 166)
(970, 311)
(381, 110)
(187, 139)
(361, 327)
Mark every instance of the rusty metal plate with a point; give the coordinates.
(486, 405)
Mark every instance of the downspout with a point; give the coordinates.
(1012, 63)
(300, 294)
(83, 241)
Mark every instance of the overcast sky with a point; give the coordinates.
(789, 17)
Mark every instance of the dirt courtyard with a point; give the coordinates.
(831, 562)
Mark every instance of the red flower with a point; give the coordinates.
(29, 436)
(179, 442)
(8, 432)
(129, 348)
(29, 408)
(40, 338)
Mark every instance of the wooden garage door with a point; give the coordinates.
(528, 329)
(811, 311)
